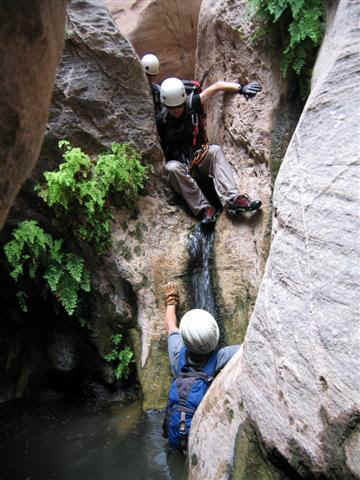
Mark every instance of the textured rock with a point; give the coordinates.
(253, 139)
(102, 96)
(100, 73)
(31, 42)
(298, 377)
(166, 28)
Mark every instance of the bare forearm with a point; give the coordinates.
(219, 86)
(170, 318)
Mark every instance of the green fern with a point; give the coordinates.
(82, 187)
(34, 251)
(120, 358)
(303, 22)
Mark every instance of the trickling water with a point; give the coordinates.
(200, 247)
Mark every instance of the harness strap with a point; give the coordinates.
(194, 119)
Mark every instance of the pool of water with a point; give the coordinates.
(62, 441)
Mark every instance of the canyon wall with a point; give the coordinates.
(31, 43)
(290, 399)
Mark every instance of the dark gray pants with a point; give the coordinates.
(213, 165)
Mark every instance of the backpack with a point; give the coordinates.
(192, 86)
(186, 392)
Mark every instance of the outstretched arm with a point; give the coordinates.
(220, 86)
(249, 90)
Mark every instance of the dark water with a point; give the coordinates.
(60, 441)
(200, 247)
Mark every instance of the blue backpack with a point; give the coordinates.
(185, 395)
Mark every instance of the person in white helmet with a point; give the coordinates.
(187, 153)
(198, 333)
(151, 66)
(195, 359)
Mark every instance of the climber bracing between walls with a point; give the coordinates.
(189, 156)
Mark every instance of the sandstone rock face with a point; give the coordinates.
(31, 42)
(297, 380)
(253, 139)
(102, 96)
(166, 28)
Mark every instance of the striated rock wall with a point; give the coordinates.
(31, 42)
(166, 28)
(296, 383)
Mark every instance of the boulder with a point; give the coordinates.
(297, 381)
(101, 95)
(31, 43)
(166, 28)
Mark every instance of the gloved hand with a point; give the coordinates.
(171, 294)
(250, 89)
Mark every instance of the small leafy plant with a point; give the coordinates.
(35, 252)
(120, 358)
(80, 190)
(301, 23)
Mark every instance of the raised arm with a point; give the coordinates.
(171, 297)
(170, 318)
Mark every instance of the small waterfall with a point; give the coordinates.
(200, 247)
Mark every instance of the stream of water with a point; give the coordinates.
(200, 247)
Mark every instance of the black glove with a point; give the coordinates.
(250, 89)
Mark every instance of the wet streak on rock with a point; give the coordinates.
(200, 247)
(200, 270)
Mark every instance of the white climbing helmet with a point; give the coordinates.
(150, 64)
(199, 331)
(172, 92)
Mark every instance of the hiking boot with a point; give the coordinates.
(208, 215)
(241, 204)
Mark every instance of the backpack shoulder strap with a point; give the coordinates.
(210, 366)
(182, 360)
(195, 119)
